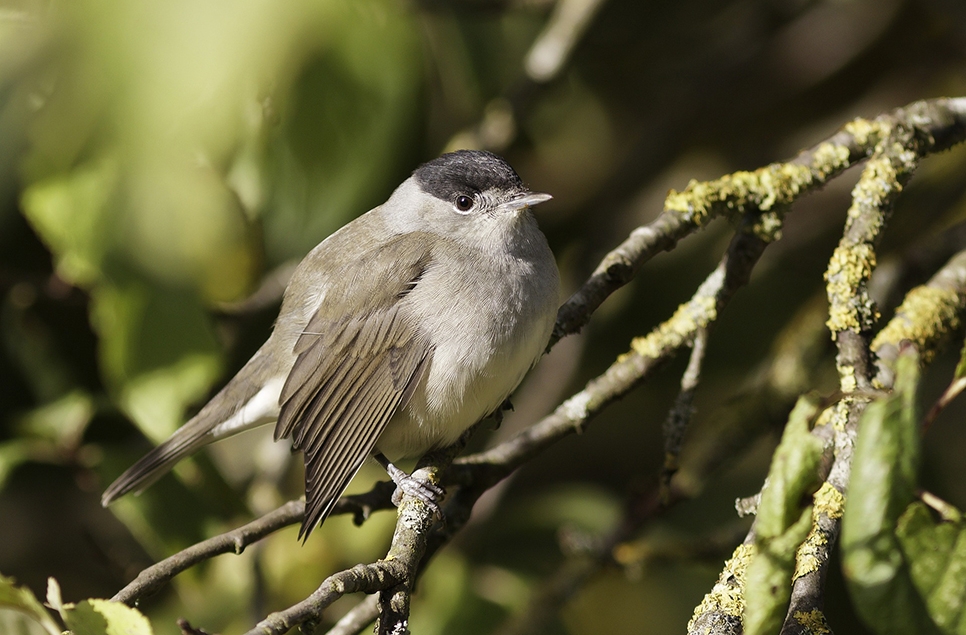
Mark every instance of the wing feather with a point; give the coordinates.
(354, 370)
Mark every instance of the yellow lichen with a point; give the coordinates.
(879, 180)
(867, 133)
(828, 501)
(813, 621)
(840, 415)
(847, 379)
(769, 226)
(926, 317)
(825, 418)
(829, 158)
(674, 332)
(848, 273)
(727, 595)
(764, 189)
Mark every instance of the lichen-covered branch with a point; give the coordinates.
(852, 316)
(927, 317)
(895, 142)
(936, 124)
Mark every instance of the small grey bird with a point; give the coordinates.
(396, 334)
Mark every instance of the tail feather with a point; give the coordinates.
(156, 463)
(248, 400)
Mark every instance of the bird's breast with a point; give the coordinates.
(488, 321)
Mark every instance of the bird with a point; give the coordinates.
(395, 335)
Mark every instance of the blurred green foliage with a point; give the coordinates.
(162, 161)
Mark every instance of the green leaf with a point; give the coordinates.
(61, 422)
(936, 553)
(793, 474)
(24, 602)
(103, 617)
(72, 214)
(882, 486)
(12, 454)
(157, 352)
(98, 617)
(783, 522)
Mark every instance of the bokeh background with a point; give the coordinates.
(164, 164)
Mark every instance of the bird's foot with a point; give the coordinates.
(497, 414)
(420, 488)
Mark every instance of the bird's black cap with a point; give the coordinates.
(466, 171)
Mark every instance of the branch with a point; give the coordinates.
(679, 417)
(939, 123)
(852, 315)
(235, 541)
(362, 615)
(897, 141)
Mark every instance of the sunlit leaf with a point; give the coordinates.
(782, 522)
(882, 486)
(61, 422)
(936, 553)
(23, 601)
(72, 213)
(157, 351)
(97, 617)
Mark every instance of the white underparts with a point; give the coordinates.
(259, 410)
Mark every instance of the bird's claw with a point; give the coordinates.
(421, 489)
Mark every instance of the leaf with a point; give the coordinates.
(23, 601)
(103, 617)
(98, 617)
(61, 422)
(882, 486)
(72, 214)
(12, 454)
(783, 522)
(936, 553)
(156, 350)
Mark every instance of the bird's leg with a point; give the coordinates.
(497, 414)
(422, 489)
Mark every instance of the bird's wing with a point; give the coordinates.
(358, 361)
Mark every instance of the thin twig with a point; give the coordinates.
(679, 417)
(362, 615)
(235, 541)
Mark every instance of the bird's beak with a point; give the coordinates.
(527, 200)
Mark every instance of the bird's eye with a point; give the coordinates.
(464, 202)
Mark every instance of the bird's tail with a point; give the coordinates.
(157, 462)
(248, 400)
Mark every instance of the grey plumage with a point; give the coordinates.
(396, 333)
